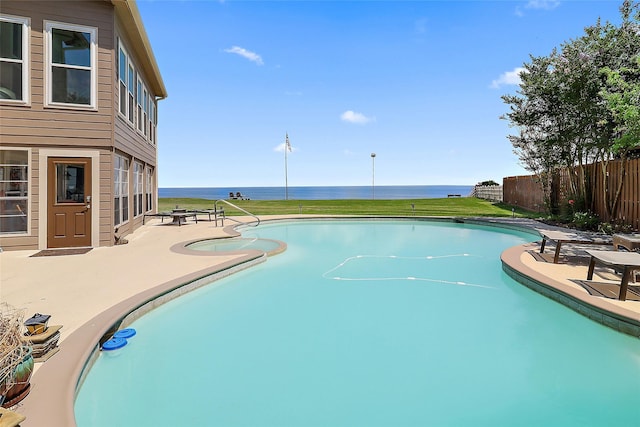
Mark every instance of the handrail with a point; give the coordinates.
(257, 221)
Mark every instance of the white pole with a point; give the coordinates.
(373, 175)
(286, 177)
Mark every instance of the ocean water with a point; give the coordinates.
(383, 192)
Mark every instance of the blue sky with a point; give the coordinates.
(417, 82)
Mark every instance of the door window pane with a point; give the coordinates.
(69, 183)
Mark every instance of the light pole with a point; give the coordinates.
(373, 175)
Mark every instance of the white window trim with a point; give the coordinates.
(49, 25)
(26, 27)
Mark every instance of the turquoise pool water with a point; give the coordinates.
(234, 244)
(380, 323)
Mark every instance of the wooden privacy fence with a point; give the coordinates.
(526, 191)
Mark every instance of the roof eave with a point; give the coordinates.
(129, 15)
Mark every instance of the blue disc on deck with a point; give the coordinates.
(125, 333)
(114, 343)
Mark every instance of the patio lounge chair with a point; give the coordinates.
(630, 242)
(563, 237)
(217, 214)
(627, 261)
(179, 216)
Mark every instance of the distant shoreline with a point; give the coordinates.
(388, 192)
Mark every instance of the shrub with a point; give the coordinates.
(615, 227)
(586, 221)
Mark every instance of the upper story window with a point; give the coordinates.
(131, 84)
(139, 105)
(126, 85)
(122, 81)
(71, 65)
(152, 121)
(14, 59)
(145, 104)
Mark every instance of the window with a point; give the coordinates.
(126, 85)
(145, 104)
(149, 189)
(122, 82)
(139, 108)
(14, 55)
(131, 88)
(120, 190)
(71, 65)
(152, 121)
(14, 191)
(138, 179)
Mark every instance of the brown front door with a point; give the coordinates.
(69, 202)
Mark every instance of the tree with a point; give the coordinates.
(621, 93)
(563, 120)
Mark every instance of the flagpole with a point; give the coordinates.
(286, 178)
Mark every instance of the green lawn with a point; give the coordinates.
(454, 206)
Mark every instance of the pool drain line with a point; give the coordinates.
(326, 275)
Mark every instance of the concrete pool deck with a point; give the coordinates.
(89, 294)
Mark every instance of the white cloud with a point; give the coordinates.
(251, 56)
(542, 4)
(539, 5)
(353, 117)
(421, 26)
(508, 78)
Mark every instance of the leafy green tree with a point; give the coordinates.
(562, 118)
(621, 93)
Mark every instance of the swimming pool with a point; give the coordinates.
(235, 244)
(374, 323)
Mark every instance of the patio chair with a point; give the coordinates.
(630, 242)
(217, 214)
(563, 237)
(627, 262)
